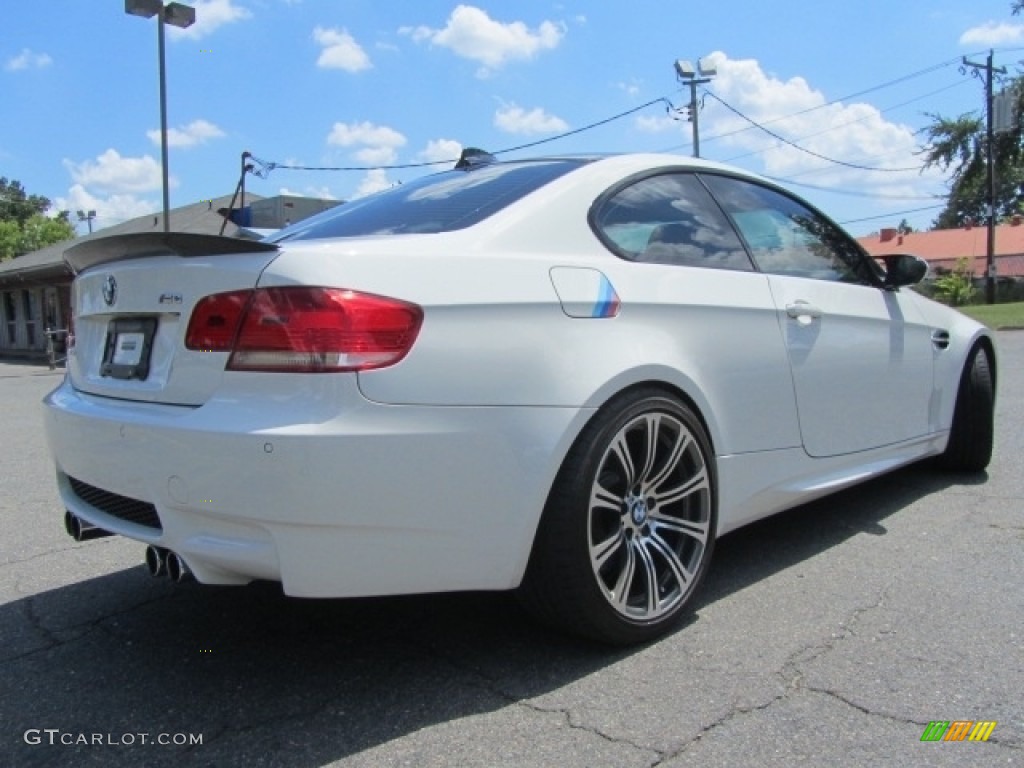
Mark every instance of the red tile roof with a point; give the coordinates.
(942, 247)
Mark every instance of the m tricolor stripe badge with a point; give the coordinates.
(584, 292)
(607, 300)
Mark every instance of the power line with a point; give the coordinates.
(804, 149)
(958, 84)
(850, 192)
(897, 81)
(270, 166)
(891, 214)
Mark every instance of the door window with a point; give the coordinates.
(669, 219)
(787, 238)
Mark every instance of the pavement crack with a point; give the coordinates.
(571, 722)
(734, 713)
(492, 685)
(55, 638)
(790, 670)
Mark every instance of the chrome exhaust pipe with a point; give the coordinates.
(80, 530)
(177, 569)
(156, 561)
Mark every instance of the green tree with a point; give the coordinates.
(959, 145)
(24, 227)
(16, 204)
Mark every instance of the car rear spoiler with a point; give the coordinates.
(103, 250)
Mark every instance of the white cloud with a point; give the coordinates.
(992, 33)
(28, 59)
(514, 119)
(373, 144)
(856, 133)
(441, 151)
(632, 88)
(374, 181)
(365, 133)
(376, 156)
(210, 14)
(474, 35)
(113, 173)
(109, 210)
(657, 123)
(196, 132)
(340, 50)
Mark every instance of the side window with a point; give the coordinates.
(787, 238)
(669, 219)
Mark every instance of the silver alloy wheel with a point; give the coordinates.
(649, 516)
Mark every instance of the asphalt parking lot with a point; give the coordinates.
(830, 635)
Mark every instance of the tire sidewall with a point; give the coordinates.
(590, 450)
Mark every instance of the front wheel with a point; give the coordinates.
(971, 436)
(629, 526)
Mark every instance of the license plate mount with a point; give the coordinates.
(128, 346)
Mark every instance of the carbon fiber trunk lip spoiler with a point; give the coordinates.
(104, 250)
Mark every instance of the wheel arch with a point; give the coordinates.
(671, 382)
(609, 398)
(544, 543)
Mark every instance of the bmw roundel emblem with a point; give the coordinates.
(110, 290)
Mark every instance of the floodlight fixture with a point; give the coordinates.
(707, 67)
(685, 69)
(87, 217)
(179, 15)
(147, 9)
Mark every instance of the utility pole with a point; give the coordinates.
(693, 77)
(990, 170)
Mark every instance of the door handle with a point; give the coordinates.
(803, 312)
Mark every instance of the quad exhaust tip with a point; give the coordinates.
(163, 562)
(81, 530)
(177, 568)
(156, 561)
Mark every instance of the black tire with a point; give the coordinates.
(627, 533)
(971, 436)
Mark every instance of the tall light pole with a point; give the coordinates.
(83, 216)
(694, 77)
(177, 15)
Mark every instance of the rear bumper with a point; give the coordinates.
(320, 489)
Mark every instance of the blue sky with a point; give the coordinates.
(368, 83)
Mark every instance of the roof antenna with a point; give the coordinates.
(472, 157)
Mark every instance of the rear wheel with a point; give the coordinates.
(628, 529)
(971, 437)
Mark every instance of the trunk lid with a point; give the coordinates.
(132, 300)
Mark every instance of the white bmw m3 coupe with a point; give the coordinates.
(565, 376)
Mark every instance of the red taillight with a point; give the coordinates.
(215, 321)
(305, 329)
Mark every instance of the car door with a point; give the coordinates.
(711, 314)
(860, 355)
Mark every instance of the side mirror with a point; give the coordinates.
(903, 269)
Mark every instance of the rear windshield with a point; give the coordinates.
(440, 202)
